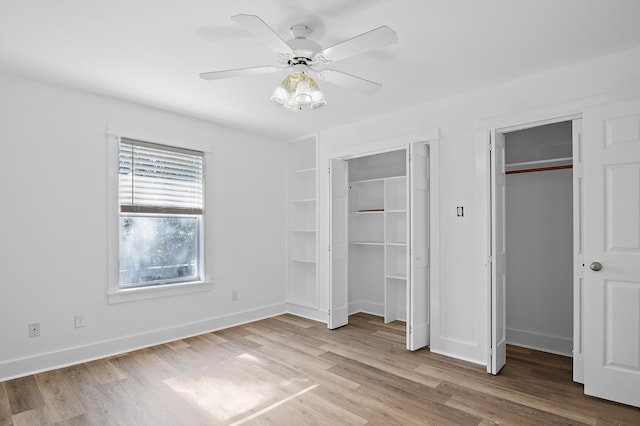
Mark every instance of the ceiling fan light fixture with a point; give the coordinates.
(297, 91)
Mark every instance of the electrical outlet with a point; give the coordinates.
(34, 329)
(79, 321)
(234, 295)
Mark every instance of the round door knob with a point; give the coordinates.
(595, 266)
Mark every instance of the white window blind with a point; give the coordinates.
(159, 179)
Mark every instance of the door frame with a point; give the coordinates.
(485, 189)
(431, 139)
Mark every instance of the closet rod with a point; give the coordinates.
(540, 169)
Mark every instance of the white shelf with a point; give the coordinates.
(299, 260)
(399, 244)
(396, 211)
(303, 230)
(398, 276)
(368, 212)
(367, 243)
(376, 179)
(300, 171)
(304, 200)
(563, 161)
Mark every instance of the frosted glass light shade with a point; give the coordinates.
(280, 95)
(303, 92)
(317, 98)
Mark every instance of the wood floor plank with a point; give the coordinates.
(103, 371)
(294, 371)
(58, 395)
(23, 395)
(5, 409)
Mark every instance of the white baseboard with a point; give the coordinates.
(25, 366)
(366, 307)
(308, 313)
(540, 342)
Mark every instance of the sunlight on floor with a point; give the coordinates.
(231, 390)
(272, 406)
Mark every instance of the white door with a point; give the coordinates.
(578, 251)
(498, 256)
(339, 244)
(612, 252)
(418, 319)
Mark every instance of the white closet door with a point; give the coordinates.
(339, 244)
(498, 255)
(418, 319)
(612, 252)
(578, 251)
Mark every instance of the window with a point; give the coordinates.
(161, 205)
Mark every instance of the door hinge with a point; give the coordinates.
(490, 146)
(329, 247)
(490, 259)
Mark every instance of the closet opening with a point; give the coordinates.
(380, 238)
(378, 235)
(540, 245)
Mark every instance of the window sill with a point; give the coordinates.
(167, 290)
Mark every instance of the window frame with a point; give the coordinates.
(118, 294)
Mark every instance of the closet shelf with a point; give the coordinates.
(304, 200)
(367, 243)
(399, 244)
(369, 211)
(396, 211)
(301, 260)
(303, 230)
(308, 170)
(539, 165)
(377, 179)
(398, 276)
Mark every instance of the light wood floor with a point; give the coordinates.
(291, 371)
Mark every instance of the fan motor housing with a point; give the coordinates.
(303, 50)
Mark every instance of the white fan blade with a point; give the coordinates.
(239, 72)
(374, 39)
(349, 81)
(260, 30)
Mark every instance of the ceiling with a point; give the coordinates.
(151, 51)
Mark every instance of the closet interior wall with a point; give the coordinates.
(539, 238)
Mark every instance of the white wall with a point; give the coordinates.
(460, 315)
(539, 242)
(53, 238)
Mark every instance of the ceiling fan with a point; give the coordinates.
(303, 56)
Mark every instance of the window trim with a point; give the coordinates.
(116, 294)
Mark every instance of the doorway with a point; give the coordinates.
(535, 243)
(381, 231)
(539, 238)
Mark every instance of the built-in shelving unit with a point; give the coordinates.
(302, 287)
(378, 218)
(396, 256)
